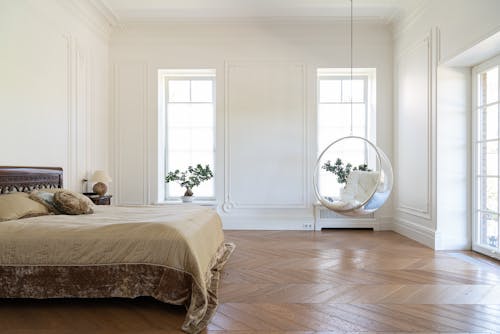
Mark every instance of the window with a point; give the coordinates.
(334, 110)
(486, 158)
(189, 126)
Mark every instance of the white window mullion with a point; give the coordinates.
(498, 127)
(486, 200)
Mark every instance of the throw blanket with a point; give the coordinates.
(173, 253)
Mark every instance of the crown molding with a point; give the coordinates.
(250, 20)
(105, 11)
(92, 13)
(400, 25)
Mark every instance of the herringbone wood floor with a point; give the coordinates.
(303, 282)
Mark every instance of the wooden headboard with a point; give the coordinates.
(25, 179)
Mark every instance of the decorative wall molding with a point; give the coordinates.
(70, 168)
(115, 128)
(437, 33)
(119, 131)
(426, 212)
(146, 159)
(93, 131)
(84, 114)
(81, 105)
(164, 48)
(229, 202)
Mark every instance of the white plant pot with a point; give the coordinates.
(187, 199)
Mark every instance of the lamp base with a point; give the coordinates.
(100, 188)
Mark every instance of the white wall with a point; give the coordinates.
(54, 87)
(266, 144)
(432, 113)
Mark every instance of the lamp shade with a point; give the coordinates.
(100, 176)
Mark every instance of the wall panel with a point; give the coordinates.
(414, 130)
(266, 130)
(130, 125)
(265, 109)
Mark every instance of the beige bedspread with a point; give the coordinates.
(185, 238)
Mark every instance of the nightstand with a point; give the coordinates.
(99, 200)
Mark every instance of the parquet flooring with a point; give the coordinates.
(338, 281)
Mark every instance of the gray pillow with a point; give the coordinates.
(46, 199)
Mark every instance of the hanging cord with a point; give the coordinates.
(350, 55)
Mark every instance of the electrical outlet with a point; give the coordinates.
(307, 226)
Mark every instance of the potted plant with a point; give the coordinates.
(342, 172)
(190, 178)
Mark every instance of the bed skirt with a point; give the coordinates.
(165, 284)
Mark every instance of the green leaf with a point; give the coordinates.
(191, 177)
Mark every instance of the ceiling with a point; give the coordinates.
(168, 10)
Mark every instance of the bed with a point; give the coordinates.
(173, 253)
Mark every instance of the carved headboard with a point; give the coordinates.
(25, 179)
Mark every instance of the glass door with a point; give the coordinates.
(486, 167)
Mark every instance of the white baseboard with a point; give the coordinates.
(417, 232)
(299, 222)
(302, 222)
(267, 222)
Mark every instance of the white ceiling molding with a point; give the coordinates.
(248, 20)
(105, 11)
(158, 11)
(404, 21)
(92, 13)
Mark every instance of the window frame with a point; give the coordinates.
(164, 77)
(476, 110)
(368, 75)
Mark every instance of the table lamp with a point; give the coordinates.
(101, 177)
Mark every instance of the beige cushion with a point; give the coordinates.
(49, 190)
(78, 195)
(46, 199)
(19, 205)
(72, 203)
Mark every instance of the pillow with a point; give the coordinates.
(49, 190)
(361, 185)
(46, 199)
(72, 203)
(19, 205)
(76, 194)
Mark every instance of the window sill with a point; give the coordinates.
(197, 202)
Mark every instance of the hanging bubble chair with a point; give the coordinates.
(353, 177)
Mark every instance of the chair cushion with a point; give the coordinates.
(361, 185)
